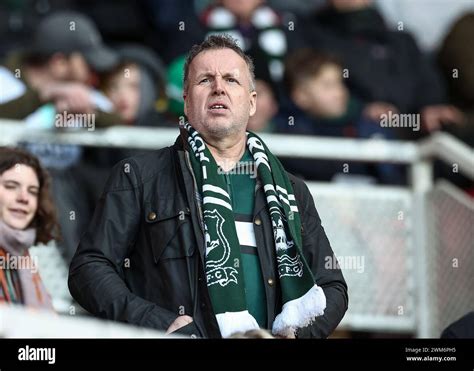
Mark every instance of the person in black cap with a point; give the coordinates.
(74, 34)
(59, 67)
(56, 74)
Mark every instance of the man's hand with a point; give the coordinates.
(179, 322)
(375, 110)
(435, 116)
(72, 97)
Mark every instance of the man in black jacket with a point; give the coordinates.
(184, 241)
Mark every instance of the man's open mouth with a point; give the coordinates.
(217, 106)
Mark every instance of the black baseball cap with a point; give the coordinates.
(69, 31)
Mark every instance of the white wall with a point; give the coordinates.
(427, 20)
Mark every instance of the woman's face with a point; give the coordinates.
(19, 190)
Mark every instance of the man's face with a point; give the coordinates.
(79, 69)
(69, 68)
(218, 99)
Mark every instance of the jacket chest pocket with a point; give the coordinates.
(169, 230)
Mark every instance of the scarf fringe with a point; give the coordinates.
(232, 322)
(300, 312)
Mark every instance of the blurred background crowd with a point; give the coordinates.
(326, 68)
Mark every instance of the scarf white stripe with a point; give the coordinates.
(216, 201)
(211, 188)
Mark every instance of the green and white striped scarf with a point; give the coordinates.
(302, 299)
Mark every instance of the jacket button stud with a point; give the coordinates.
(271, 282)
(151, 215)
(258, 221)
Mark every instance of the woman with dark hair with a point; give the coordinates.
(27, 217)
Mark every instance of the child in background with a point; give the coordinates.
(136, 86)
(323, 106)
(123, 89)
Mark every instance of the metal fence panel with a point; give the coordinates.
(371, 232)
(450, 256)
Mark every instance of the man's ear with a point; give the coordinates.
(185, 104)
(253, 103)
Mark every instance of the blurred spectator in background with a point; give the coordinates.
(267, 108)
(297, 7)
(257, 28)
(324, 107)
(58, 74)
(456, 60)
(136, 86)
(174, 87)
(385, 68)
(27, 217)
(58, 68)
(19, 19)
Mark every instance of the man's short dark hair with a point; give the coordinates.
(305, 64)
(214, 42)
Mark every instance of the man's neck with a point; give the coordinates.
(228, 152)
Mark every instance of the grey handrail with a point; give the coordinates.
(439, 145)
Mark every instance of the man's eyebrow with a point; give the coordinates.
(231, 74)
(204, 74)
(212, 74)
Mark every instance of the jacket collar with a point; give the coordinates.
(181, 142)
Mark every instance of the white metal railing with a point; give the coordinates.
(440, 145)
(418, 156)
(21, 322)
